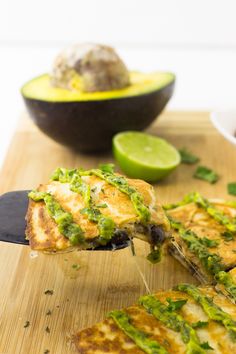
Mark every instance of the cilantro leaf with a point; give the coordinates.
(108, 167)
(154, 256)
(27, 323)
(104, 205)
(206, 174)
(76, 266)
(187, 157)
(228, 236)
(209, 243)
(199, 324)
(206, 345)
(231, 187)
(176, 305)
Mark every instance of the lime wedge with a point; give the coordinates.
(144, 156)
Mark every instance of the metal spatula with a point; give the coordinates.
(13, 208)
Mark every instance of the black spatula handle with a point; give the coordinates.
(13, 208)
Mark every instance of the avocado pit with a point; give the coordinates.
(89, 68)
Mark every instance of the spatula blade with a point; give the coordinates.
(13, 208)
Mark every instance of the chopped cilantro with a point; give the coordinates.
(232, 188)
(205, 345)
(109, 167)
(209, 243)
(154, 256)
(176, 305)
(48, 292)
(187, 157)
(27, 323)
(206, 174)
(228, 236)
(76, 266)
(47, 329)
(104, 205)
(199, 324)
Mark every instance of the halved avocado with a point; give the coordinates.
(87, 121)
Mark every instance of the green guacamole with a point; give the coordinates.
(208, 207)
(149, 346)
(63, 219)
(174, 321)
(106, 225)
(213, 311)
(210, 261)
(123, 186)
(228, 282)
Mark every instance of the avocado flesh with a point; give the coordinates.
(41, 89)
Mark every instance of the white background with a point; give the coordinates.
(194, 39)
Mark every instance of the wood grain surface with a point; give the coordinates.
(105, 280)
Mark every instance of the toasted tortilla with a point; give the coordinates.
(196, 219)
(43, 233)
(107, 337)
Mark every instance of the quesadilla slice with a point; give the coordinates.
(203, 235)
(185, 320)
(80, 209)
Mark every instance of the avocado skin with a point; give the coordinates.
(88, 126)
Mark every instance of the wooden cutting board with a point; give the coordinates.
(104, 280)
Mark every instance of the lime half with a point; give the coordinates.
(144, 156)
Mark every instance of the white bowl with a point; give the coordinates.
(225, 123)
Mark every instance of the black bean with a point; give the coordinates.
(157, 234)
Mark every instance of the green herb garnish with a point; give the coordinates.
(108, 167)
(199, 324)
(140, 338)
(213, 311)
(206, 345)
(210, 261)
(227, 280)
(66, 226)
(171, 319)
(47, 329)
(228, 236)
(175, 305)
(231, 187)
(215, 213)
(208, 243)
(154, 256)
(187, 157)
(76, 266)
(27, 323)
(206, 174)
(104, 205)
(123, 186)
(48, 292)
